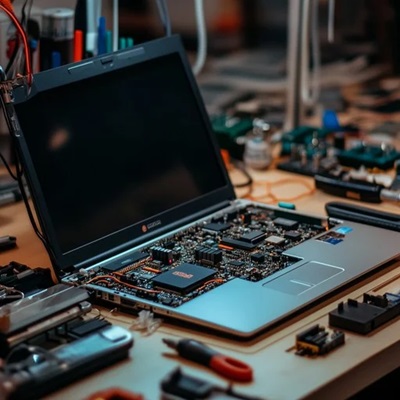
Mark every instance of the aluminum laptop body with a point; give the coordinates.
(135, 203)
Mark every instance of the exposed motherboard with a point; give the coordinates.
(247, 243)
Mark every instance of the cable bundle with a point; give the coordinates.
(7, 7)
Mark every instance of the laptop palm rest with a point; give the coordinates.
(304, 278)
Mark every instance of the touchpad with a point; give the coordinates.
(304, 278)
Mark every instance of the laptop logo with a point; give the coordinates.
(151, 225)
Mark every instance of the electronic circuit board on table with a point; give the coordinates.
(248, 243)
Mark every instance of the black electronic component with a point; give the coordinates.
(217, 227)
(211, 256)
(317, 340)
(246, 218)
(236, 263)
(237, 244)
(170, 244)
(286, 223)
(302, 219)
(162, 254)
(85, 327)
(253, 236)
(186, 387)
(184, 278)
(258, 257)
(183, 386)
(231, 215)
(363, 317)
(292, 235)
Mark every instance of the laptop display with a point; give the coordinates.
(108, 164)
(128, 185)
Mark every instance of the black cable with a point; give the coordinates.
(7, 167)
(25, 197)
(248, 183)
(240, 166)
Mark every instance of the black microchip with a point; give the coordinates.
(216, 227)
(258, 257)
(236, 263)
(292, 235)
(169, 245)
(286, 223)
(253, 236)
(184, 278)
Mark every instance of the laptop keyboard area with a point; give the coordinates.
(248, 243)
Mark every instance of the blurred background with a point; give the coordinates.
(246, 62)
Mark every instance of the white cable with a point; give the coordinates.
(93, 9)
(115, 25)
(201, 37)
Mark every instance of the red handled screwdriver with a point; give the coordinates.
(198, 352)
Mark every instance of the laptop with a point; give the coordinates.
(135, 204)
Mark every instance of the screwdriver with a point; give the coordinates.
(198, 352)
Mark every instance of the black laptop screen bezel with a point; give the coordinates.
(132, 235)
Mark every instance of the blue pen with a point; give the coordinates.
(101, 36)
(55, 59)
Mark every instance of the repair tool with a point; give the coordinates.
(200, 353)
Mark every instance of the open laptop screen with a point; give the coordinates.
(119, 148)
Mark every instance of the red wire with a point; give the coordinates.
(7, 4)
(22, 33)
